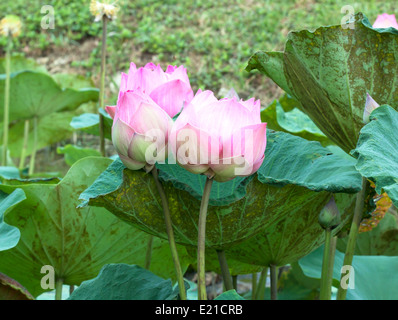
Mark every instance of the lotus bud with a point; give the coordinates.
(100, 9)
(140, 130)
(10, 26)
(148, 100)
(111, 110)
(221, 139)
(370, 105)
(329, 218)
(170, 89)
(386, 21)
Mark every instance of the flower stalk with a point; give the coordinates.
(103, 11)
(170, 234)
(227, 279)
(102, 85)
(235, 282)
(10, 27)
(6, 99)
(58, 289)
(254, 285)
(274, 282)
(33, 156)
(327, 265)
(352, 237)
(329, 218)
(260, 286)
(202, 295)
(25, 145)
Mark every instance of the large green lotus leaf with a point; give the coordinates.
(229, 295)
(9, 235)
(331, 69)
(133, 197)
(293, 160)
(74, 153)
(299, 233)
(381, 240)
(284, 115)
(76, 242)
(20, 63)
(12, 290)
(237, 210)
(125, 282)
(374, 276)
(9, 173)
(293, 284)
(161, 260)
(73, 81)
(51, 128)
(220, 194)
(89, 122)
(18, 181)
(296, 121)
(36, 94)
(271, 64)
(377, 151)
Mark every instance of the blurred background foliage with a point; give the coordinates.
(213, 39)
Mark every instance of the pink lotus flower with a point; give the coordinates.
(140, 130)
(385, 21)
(142, 118)
(219, 138)
(170, 89)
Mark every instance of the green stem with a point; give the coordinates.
(235, 282)
(254, 285)
(25, 145)
(332, 253)
(352, 237)
(261, 284)
(102, 85)
(274, 282)
(33, 156)
(170, 234)
(148, 255)
(328, 259)
(226, 276)
(6, 100)
(202, 295)
(71, 289)
(58, 289)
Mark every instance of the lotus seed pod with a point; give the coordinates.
(100, 9)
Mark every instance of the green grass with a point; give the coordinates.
(213, 39)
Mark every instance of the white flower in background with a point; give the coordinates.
(100, 9)
(10, 25)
